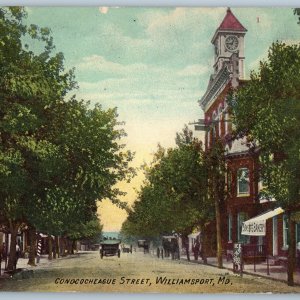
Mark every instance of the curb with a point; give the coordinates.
(244, 272)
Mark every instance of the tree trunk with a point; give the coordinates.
(73, 246)
(32, 244)
(292, 251)
(185, 242)
(54, 249)
(63, 246)
(13, 242)
(69, 245)
(219, 237)
(56, 241)
(187, 252)
(50, 247)
(203, 243)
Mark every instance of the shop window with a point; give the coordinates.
(285, 231)
(243, 186)
(286, 235)
(242, 217)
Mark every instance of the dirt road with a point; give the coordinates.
(137, 273)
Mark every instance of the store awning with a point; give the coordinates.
(257, 225)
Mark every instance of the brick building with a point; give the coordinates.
(243, 202)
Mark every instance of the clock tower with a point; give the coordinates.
(228, 41)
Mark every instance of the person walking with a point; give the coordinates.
(18, 254)
(196, 249)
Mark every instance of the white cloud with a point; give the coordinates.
(194, 70)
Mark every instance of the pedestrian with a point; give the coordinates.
(196, 249)
(18, 255)
(3, 251)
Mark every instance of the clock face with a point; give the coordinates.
(231, 43)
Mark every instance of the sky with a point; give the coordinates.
(153, 64)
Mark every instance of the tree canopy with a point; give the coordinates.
(58, 155)
(173, 196)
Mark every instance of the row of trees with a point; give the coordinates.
(177, 195)
(58, 155)
(185, 186)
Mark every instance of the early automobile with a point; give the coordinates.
(127, 248)
(144, 244)
(110, 248)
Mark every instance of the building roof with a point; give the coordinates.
(230, 22)
(238, 146)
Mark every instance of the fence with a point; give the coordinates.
(248, 254)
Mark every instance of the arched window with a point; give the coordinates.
(243, 182)
(220, 119)
(214, 124)
(208, 134)
(226, 122)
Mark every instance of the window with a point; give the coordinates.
(226, 122)
(229, 180)
(220, 119)
(285, 231)
(286, 235)
(229, 227)
(214, 129)
(242, 217)
(220, 126)
(243, 181)
(208, 139)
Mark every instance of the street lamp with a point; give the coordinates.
(200, 125)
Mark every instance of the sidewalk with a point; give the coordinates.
(276, 272)
(43, 264)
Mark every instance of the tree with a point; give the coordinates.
(297, 12)
(174, 195)
(57, 156)
(28, 82)
(267, 111)
(216, 168)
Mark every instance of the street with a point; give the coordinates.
(137, 273)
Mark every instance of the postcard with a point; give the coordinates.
(150, 150)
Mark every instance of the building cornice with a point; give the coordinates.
(215, 87)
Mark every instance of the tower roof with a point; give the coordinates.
(230, 22)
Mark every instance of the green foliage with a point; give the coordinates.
(297, 12)
(57, 156)
(173, 197)
(267, 110)
(90, 230)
